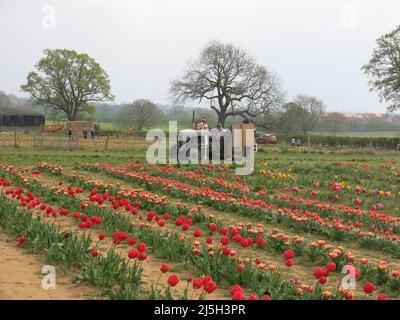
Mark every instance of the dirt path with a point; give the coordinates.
(21, 278)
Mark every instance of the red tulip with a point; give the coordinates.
(331, 266)
(224, 240)
(240, 267)
(173, 280)
(260, 241)
(238, 295)
(94, 253)
(369, 287)
(235, 288)
(197, 283)
(206, 279)
(142, 256)
(197, 233)
(132, 241)
(133, 254)
(63, 212)
(166, 216)
(210, 286)
(289, 263)
(213, 227)
(21, 240)
(141, 246)
(288, 254)
(164, 268)
(101, 236)
(118, 237)
(382, 296)
(318, 273)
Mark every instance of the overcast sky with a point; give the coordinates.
(316, 47)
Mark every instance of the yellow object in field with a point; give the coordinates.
(52, 128)
(131, 131)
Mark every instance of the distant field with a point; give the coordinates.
(109, 125)
(389, 134)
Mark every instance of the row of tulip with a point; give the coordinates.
(300, 220)
(280, 242)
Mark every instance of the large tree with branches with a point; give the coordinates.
(383, 69)
(67, 81)
(141, 113)
(227, 75)
(312, 110)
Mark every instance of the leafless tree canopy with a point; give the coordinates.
(313, 108)
(140, 113)
(230, 76)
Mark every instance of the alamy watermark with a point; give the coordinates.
(49, 278)
(191, 146)
(49, 17)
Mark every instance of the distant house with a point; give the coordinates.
(18, 118)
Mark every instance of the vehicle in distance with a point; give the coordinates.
(267, 139)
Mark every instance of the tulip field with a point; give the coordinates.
(294, 229)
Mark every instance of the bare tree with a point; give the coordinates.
(313, 110)
(4, 100)
(140, 113)
(228, 75)
(335, 121)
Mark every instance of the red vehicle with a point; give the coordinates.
(267, 139)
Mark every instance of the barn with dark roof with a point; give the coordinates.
(18, 118)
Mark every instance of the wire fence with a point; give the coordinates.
(63, 142)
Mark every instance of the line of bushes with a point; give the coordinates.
(349, 142)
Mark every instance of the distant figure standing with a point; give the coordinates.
(92, 133)
(293, 142)
(202, 125)
(298, 142)
(85, 134)
(70, 133)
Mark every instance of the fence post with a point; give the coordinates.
(15, 139)
(106, 144)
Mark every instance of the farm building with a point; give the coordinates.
(17, 118)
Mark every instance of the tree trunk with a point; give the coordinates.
(222, 118)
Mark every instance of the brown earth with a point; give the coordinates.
(21, 278)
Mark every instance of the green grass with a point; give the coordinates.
(374, 134)
(23, 156)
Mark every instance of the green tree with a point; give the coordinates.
(289, 118)
(383, 69)
(67, 81)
